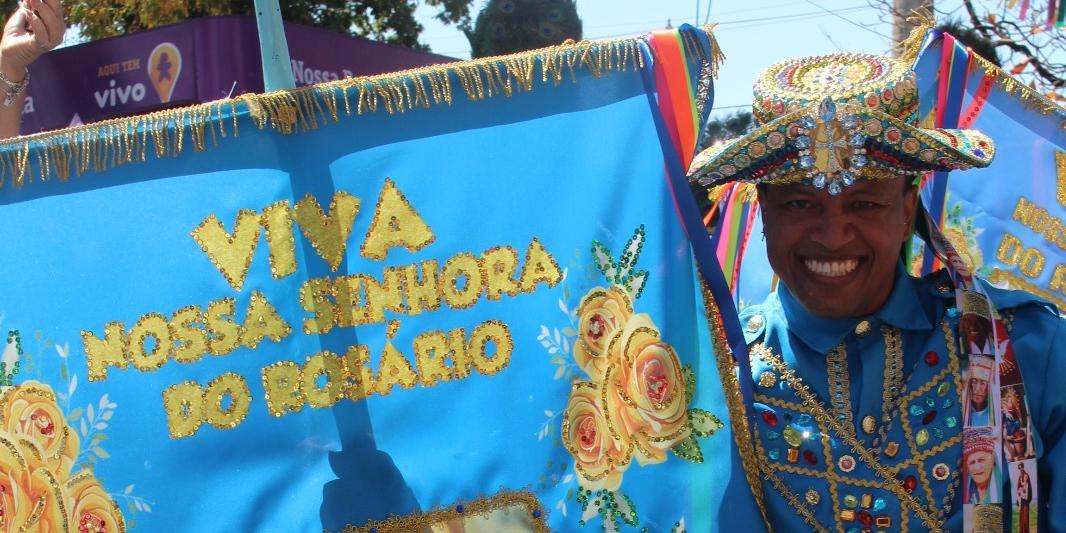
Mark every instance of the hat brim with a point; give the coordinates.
(767, 154)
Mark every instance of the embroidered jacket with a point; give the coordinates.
(858, 422)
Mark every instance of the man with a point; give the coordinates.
(855, 422)
(978, 406)
(1025, 497)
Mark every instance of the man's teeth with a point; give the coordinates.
(832, 269)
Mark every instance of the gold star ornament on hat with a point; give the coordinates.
(830, 120)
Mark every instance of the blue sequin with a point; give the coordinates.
(951, 421)
(879, 504)
(774, 454)
(804, 419)
(948, 402)
(929, 401)
(916, 410)
(938, 433)
(772, 435)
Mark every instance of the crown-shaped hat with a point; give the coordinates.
(831, 120)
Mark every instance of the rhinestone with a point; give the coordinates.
(948, 402)
(793, 455)
(869, 424)
(850, 121)
(754, 323)
(941, 471)
(772, 435)
(866, 501)
(819, 180)
(916, 410)
(922, 437)
(909, 484)
(804, 419)
(774, 454)
(862, 328)
(802, 142)
(857, 161)
(929, 417)
(770, 418)
(938, 433)
(834, 187)
(806, 161)
(883, 521)
(856, 140)
(951, 421)
(828, 110)
(846, 463)
(847, 515)
(932, 358)
(847, 177)
(793, 437)
(866, 519)
(943, 388)
(810, 457)
(891, 449)
(807, 122)
(879, 504)
(850, 501)
(813, 497)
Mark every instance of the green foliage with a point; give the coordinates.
(509, 26)
(391, 21)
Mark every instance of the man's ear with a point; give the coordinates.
(910, 206)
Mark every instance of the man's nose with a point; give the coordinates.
(833, 231)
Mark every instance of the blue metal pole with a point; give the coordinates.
(274, 49)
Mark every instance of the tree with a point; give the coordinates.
(389, 21)
(509, 26)
(1025, 46)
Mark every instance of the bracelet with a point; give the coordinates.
(11, 89)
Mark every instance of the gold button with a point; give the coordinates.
(869, 424)
(754, 323)
(891, 449)
(862, 328)
(813, 497)
(767, 379)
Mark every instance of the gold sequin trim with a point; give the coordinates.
(502, 502)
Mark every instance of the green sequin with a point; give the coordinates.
(943, 389)
(793, 437)
(922, 437)
(850, 501)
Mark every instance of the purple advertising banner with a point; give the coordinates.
(199, 60)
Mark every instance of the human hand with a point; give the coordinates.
(36, 27)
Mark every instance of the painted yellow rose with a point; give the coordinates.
(646, 399)
(599, 458)
(30, 499)
(601, 315)
(28, 412)
(91, 509)
(971, 255)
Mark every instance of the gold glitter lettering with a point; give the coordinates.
(278, 224)
(1058, 278)
(240, 400)
(540, 267)
(224, 333)
(315, 296)
(1032, 262)
(152, 325)
(498, 266)
(230, 253)
(497, 333)
(463, 265)
(1060, 173)
(261, 321)
(431, 350)
(394, 368)
(101, 354)
(190, 339)
(326, 365)
(386, 295)
(352, 310)
(359, 380)
(421, 294)
(457, 350)
(184, 405)
(281, 385)
(395, 223)
(328, 233)
(1010, 249)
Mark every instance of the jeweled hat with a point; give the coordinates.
(981, 367)
(830, 120)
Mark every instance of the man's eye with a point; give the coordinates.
(863, 204)
(798, 204)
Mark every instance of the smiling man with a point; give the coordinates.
(859, 371)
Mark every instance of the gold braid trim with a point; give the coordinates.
(827, 420)
(1012, 86)
(110, 143)
(734, 401)
(477, 508)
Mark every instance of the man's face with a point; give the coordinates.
(978, 393)
(979, 465)
(837, 254)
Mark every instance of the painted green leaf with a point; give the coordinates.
(704, 424)
(603, 260)
(75, 414)
(688, 450)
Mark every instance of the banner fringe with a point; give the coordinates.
(1012, 86)
(111, 143)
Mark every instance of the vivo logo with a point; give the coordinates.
(119, 95)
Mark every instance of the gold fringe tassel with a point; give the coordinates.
(107, 144)
(1012, 86)
(912, 45)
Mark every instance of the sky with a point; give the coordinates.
(753, 33)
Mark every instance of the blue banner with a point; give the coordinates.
(454, 298)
